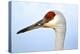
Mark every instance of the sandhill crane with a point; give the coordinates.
(55, 20)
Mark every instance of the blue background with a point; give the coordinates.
(42, 39)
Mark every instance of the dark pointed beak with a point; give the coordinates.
(31, 27)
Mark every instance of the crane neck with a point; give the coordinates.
(60, 37)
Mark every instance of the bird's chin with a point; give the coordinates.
(46, 27)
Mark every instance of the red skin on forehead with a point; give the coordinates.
(49, 16)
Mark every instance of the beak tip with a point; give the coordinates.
(19, 32)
